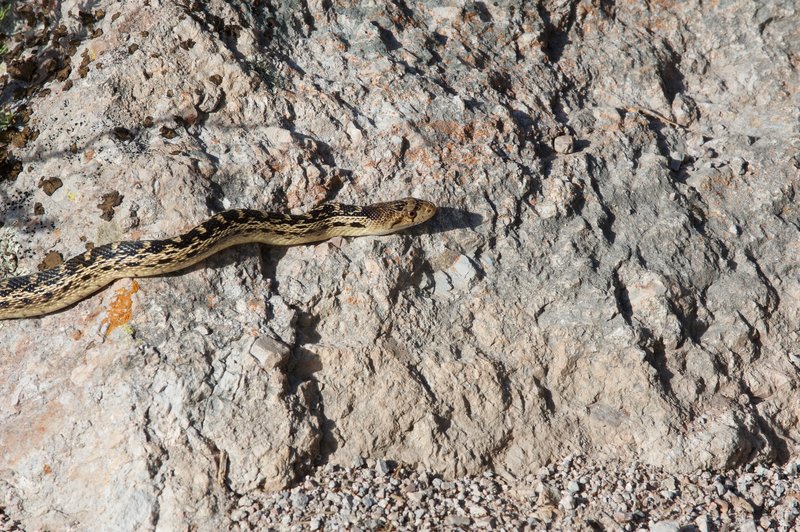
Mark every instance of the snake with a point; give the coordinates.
(54, 289)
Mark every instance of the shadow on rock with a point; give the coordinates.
(448, 219)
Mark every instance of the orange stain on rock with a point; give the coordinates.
(119, 313)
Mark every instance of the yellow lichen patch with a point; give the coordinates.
(119, 313)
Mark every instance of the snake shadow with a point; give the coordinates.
(447, 219)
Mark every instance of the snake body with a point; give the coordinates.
(51, 290)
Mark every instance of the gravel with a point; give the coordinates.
(579, 493)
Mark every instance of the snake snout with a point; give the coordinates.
(425, 211)
(415, 211)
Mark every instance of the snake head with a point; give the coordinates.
(404, 213)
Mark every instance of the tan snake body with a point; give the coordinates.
(54, 289)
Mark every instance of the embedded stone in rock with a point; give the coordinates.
(278, 137)
(564, 144)
(269, 352)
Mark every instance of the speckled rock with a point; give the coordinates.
(631, 294)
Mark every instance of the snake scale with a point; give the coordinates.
(54, 289)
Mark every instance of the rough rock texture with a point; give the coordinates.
(613, 272)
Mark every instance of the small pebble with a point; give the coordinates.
(485, 522)
(457, 520)
(381, 467)
(564, 144)
(702, 523)
(416, 496)
(476, 510)
(666, 526)
(300, 500)
(567, 502)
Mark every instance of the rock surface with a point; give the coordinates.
(613, 270)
